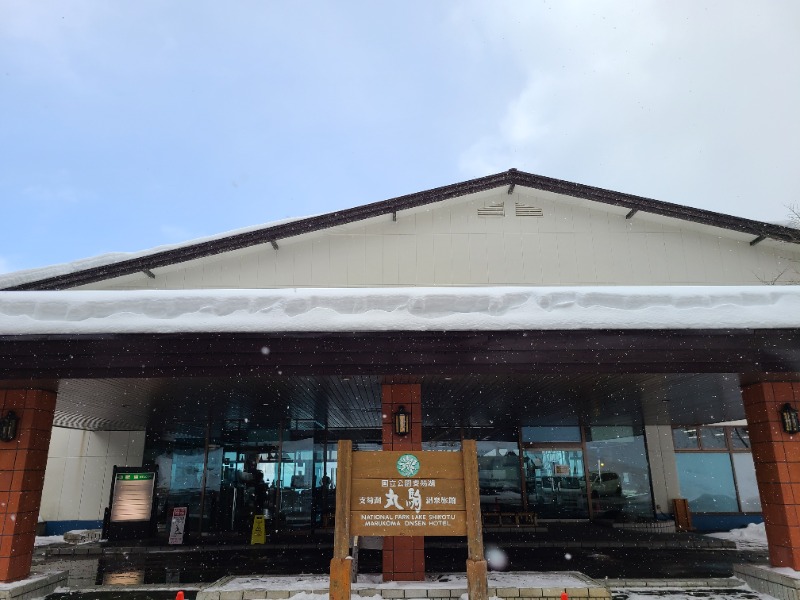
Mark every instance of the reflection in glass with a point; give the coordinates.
(713, 438)
(499, 476)
(295, 481)
(555, 483)
(740, 438)
(551, 434)
(706, 481)
(619, 475)
(685, 438)
(746, 481)
(441, 446)
(131, 577)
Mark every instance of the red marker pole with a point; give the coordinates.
(179, 596)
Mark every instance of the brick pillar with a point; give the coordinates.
(777, 458)
(403, 557)
(22, 464)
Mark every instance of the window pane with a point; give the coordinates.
(685, 438)
(619, 476)
(740, 438)
(551, 434)
(499, 476)
(441, 446)
(616, 432)
(713, 438)
(555, 483)
(746, 482)
(706, 481)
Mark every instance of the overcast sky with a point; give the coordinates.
(130, 124)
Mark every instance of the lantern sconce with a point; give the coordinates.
(8, 426)
(402, 422)
(789, 420)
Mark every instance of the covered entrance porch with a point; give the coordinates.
(502, 388)
(551, 446)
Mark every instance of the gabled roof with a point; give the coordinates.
(275, 232)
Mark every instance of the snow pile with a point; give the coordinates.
(752, 537)
(371, 581)
(8, 280)
(399, 309)
(46, 540)
(786, 571)
(739, 593)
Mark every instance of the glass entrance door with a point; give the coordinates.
(555, 482)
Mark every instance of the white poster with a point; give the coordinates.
(177, 526)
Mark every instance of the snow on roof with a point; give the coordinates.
(399, 309)
(8, 280)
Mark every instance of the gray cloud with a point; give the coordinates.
(688, 102)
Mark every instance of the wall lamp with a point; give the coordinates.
(402, 422)
(789, 419)
(8, 426)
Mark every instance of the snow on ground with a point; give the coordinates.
(528, 579)
(787, 571)
(752, 537)
(498, 580)
(46, 540)
(742, 593)
(449, 580)
(399, 309)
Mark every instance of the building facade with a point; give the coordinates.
(604, 350)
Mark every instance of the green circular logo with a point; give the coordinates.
(408, 465)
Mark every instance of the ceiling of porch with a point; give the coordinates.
(485, 401)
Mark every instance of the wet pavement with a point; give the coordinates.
(208, 566)
(614, 563)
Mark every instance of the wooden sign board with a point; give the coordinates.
(392, 493)
(407, 494)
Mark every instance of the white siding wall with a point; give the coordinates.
(79, 468)
(576, 242)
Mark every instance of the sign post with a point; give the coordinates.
(477, 583)
(395, 493)
(341, 565)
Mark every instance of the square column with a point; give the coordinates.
(403, 557)
(776, 455)
(22, 464)
(660, 453)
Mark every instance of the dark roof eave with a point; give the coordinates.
(316, 223)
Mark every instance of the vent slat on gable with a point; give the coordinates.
(493, 210)
(526, 210)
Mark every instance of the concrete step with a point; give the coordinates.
(549, 585)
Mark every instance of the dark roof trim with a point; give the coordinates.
(393, 205)
(745, 351)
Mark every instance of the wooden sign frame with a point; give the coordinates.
(458, 495)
